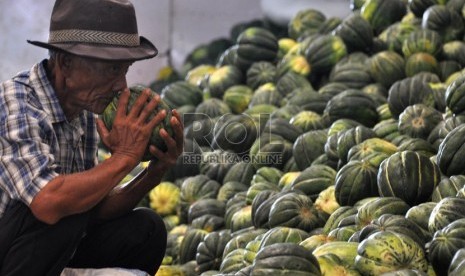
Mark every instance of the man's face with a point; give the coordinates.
(92, 84)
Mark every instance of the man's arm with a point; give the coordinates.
(125, 197)
(79, 192)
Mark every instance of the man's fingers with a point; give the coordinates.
(157, 119)
(102, 131)
(149, 109)
(139, 104)
(176, 124)
(123, 103)
(178, 117)
(169, 141)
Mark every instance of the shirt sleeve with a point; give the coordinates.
(26, 161)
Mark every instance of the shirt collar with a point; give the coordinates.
(46, 93)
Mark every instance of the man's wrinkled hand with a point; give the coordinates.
(131, 131)
(167, 159)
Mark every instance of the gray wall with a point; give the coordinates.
(174, 26)
(179, 25)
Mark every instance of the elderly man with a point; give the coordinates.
(58, 206)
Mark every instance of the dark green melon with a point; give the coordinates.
(331, 89)
(447, 68)
(448, 23)
(455, 96)
(445, 212)
(212, 108)
(422, 41)
(381, 14)
(109, 115)
(255, 44)
(180, 93)
(304, 20)
(270, 150)
(215, 164)
(296, 63)
(384, 112)
(307, 99)
(395, 35)
(308, 146)
(337, 216)
(238, 97)
(266, 94)
(229, 189)
(373, 150)
(439, 94)
(296, 210)
(376, 207)
(351, 137)
(387, 67)
(352, 104)
(282, 234)
(223, 78)
(281, 258)
(457, 264)
(354, 181)
(205, 206)
(451, 153)
(356, 32)
(283, 128)
(418, 120)
(329, 25)
(210, 250)
(420, 62)
(190, 241)
(448, 187)
(324, 52)
(352, 75)
(387, 251)
(455, 51)
(408, 175)
(197, 187)
(241, 172)
(418, 7)
(331, 148)
(314, 179)
(409, 91)
(445, 243)
(418, 145)
(291, 81)
(395, 223)
(259, 73)
(387, 129)
(341, 125)
(261, 205)
(268, 174)
(258, 187)
(420, 215)
(286, 111)
(233, 205)
(377, 93)
(308, 120)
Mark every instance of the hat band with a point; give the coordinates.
(97, 37)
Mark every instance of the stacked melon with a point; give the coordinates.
(331, 148)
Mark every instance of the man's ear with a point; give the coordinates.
(65, 63)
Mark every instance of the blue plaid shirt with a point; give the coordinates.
(37, 143)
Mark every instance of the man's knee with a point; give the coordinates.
(153, 223)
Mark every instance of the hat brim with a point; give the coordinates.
(145, 50)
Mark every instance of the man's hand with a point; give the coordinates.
(131, 130)
(167, 159)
